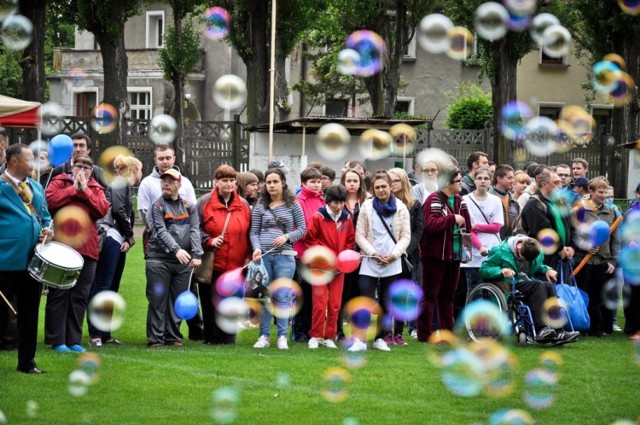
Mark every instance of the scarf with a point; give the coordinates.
(385, 209)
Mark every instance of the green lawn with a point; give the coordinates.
(598, 382)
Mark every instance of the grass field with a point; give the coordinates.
(599, 382)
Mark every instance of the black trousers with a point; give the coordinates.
(632, 310)
(64, 314)
(350, 290)
(368, 287)
(302, 321)
(27, 292)
(8, 331)
(592, 279)
(535, 293)
(209, 298)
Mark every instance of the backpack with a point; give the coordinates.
(520, 226)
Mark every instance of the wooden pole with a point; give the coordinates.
(272, 77)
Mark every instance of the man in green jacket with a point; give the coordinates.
(521, 255)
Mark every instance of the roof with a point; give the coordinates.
(354, 125)
(630, 145)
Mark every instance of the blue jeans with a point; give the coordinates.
(107, 278)
(277, 266)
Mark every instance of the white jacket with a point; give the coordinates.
(400, 227)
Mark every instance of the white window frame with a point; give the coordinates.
(565, 60)
(76, 90)
(149, 107)
(410, 100)
(558, 105)
(152, 18)
(411, 48)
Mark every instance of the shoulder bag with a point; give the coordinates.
(204, 271)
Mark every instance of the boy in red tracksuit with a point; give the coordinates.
(332, 227)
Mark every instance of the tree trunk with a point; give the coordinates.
(116, 69)
(503, 87)
(257, 63)
(32, 63)
(178, 85)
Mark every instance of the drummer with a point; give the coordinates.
(24, 218)
(65, 310)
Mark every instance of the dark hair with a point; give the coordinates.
(362, 192)
(309, 173)
(530, 169)
(530, 249)
(259, 174)
(225, 172)
(243, 180)
(354, 163)
(81, 135)
(315, 164)
(15, 150)
(287, 196)
(328, 172)
(474, 157)
(83, 158)
(501, 171)
(451, 173)
(541, 168)
(381, 175)
(638, 188)
(337, 193)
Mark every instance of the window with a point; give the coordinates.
(602, 115)
(140, 103)
(405, 105)
(409, 54)
(155, 29)
(546, 60)
(550, 110)
(84, 102)
(336, 107)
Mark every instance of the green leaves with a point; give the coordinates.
(470, 109)
(179, 57)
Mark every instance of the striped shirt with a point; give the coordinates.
(285, 220)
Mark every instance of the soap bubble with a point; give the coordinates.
(491, 21)
(513, 118)
(348, 60)
(318, 265)
(630, 7)
(554, 312)
(217, 23)
(542, 135)
(286, 298)
(622, 93)
(72, 226)
(333, 141)
(521, 7)
(104, 118)
(404, 138)
(371, 49)
(51, 118)
(7, 8)
(336, 381)
(605, 76)
(106, 311)
(17, 32)
(433, 33)
(79, 382)
(375, 144)
(231, 312)
(540, 23)
(556, 41)
(549, 241)
(229, 92)
(403, 300)
(511, 417)
(540, 388)
(162, 129)
(462, 372)
(224, 405)
(460, 43)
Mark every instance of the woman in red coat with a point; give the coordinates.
(230, 244)
(65, 309)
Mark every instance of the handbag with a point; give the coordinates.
(203, 273)
(576, 300)
(464, 254)
(407, 267)
(256, 281)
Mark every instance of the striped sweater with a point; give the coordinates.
(285, 220)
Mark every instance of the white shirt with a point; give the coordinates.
(151, 189)
(383, 244)
(492, 209)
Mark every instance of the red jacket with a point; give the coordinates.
(236, 246)
(60, 193)
(439, 219)
(310, 203)
(322, 230)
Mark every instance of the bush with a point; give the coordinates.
(470, 108)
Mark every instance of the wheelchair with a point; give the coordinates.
(511, 302)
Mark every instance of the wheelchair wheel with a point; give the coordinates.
(522, 339)
(480, 330)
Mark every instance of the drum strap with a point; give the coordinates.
(24, 194)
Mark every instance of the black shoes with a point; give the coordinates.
(33, 371)
(545, 334)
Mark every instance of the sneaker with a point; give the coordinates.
(282, 343)
(546, 334)
(77, 348)
(388, 339)
(263, 342)
(95, 342)
(61, 348)
(329, 343)
(399, 340)
(414, 334)
(381, 345)
(357, 345)
(617, 328)
(314, 343)
(112, 341)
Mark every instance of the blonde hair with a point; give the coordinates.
(406, 194)
(522, 177)
(125, 165)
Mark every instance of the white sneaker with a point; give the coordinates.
(263, 342)
(414, 334)
(314, 343)
(379, 344)
(329, 343)
(357, 346)
(282, 343)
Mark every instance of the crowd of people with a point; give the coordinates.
(445, 229)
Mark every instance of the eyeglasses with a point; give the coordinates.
(430, 170)
(395, 181)
(79, 145)
(82, 167)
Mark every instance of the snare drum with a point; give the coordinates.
(56, 265)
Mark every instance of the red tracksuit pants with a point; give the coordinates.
(325, 308)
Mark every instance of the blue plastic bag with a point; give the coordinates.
(575, 298)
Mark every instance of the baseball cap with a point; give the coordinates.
(581, 182)
(173, 173)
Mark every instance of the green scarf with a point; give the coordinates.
(456, 229)
(557, 217)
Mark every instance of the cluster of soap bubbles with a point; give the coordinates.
(333, 142)
(541, 383)
(86, 375)
(232, 311)
(336, 381)
(609, 77)
(363, 55)
(629, 257)
(217, 23)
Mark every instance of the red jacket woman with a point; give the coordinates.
(230, 244)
